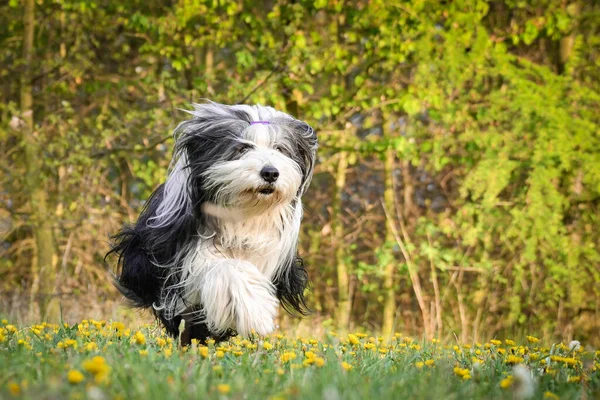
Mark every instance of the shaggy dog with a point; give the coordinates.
(216, 244)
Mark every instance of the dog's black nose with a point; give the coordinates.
(269, 174)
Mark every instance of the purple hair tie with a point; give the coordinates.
(260, 122)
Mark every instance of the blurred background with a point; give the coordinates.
(458, 184)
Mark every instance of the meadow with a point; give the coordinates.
(108, 360)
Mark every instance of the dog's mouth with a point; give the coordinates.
(266, 190)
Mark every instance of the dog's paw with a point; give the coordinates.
(255, 310)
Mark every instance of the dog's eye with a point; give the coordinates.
(241, 149)
(279, 148)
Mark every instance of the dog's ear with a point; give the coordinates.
(290, 286)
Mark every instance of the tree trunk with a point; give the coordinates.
(42, 268)
(343, 306)
(389, 308)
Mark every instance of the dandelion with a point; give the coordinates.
(429, 363)
(551, 396)
(574, 379)
(346, 366)
(11, 329)
(139, 338)
(74, 377)
(97, 366)
(510, 342)
(14, 388)
(288, 356)
(506, 382)
(219, 354)
(419, 364)
(496, 342)
(203, 351)
(532, 339)
(462, 372)
(267, 346)
(574, 345)
(144, 353)
(513, 360)
(223, 388)
(353, 339)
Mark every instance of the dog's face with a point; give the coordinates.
(260, 168)
(243, 159)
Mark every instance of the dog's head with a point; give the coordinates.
(237, 160)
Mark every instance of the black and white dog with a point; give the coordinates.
(216, 244)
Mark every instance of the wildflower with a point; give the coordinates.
(14, 388)
(353, 339)
(369, 346)
(168, 352)
(574, 379)
(219, 354)
(532, 339)
(510, 342)
(90, 346)
(346, 366)
(223, 388)
(419, 364)
(513, 360)
(288, 356)
(496, 342)
(361, 335)
(462, 372)
(203, 351)
(74, 377)
(210, 342)
(161, 342)
(506, 382)
(97, 366)
(11, 328)
(429, 363)
(574, 345)
(267, 346)
(144, 353)
(4, 322)
(550, 395)
(319, 362)
(139, 338)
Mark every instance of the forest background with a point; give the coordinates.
(458, 181)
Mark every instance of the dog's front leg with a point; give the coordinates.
(234, 294)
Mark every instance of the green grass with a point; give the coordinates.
(105, 360)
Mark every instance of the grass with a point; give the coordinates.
(106, 360)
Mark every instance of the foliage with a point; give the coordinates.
(106, 359)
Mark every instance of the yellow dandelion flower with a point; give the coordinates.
(506, 382)
(223, 388)
(14, 388)
(267, 346)
(319, 362)
(501, 351)
(168, 352)
(238, 353)
(4, 322)
(353, 339)
(513, 360)
(11, 328)
(287, 356)
(429, 363)
(346, 366)
(139, 338)
(90, 346)
(550, 395)
(532, 340)
(161, 342)
(496, 342)
(280, 371)
(74, 377)
(419, 364)
(203, 350)
(369, 346)
(510, 342)
(144, 353)
(574, 379)
(219, 354)
(461, 371)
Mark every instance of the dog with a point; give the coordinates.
(216, 243)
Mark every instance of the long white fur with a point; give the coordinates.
(247, 237)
